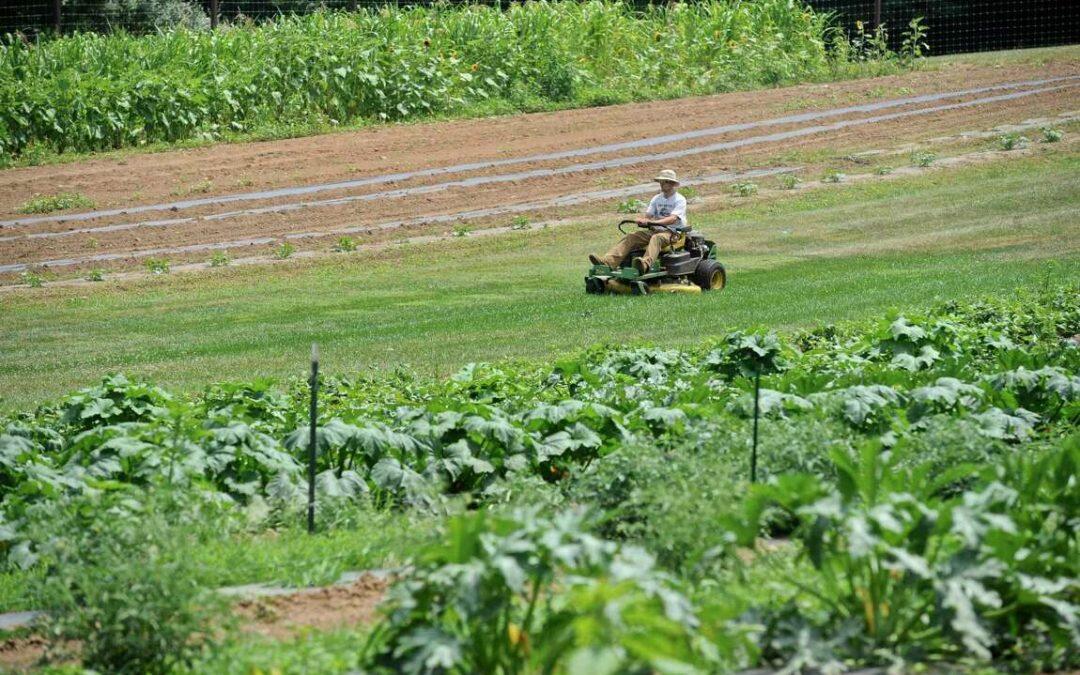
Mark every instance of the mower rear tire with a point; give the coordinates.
(710, 275)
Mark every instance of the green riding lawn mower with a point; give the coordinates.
(690, 269)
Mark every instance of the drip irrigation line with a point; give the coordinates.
(526, 175)
(563, 200)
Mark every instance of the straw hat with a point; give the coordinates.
(667, 174)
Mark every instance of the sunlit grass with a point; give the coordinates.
(843, 252)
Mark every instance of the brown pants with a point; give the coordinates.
(652, 242)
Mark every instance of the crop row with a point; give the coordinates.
(989, 375)
(92, 92)
(922, 466)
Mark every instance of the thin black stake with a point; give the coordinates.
(311, 439)
(757, 410)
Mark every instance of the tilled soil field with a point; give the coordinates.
(397, 181)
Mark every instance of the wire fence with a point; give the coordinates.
(954, 25)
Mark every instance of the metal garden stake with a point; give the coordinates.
(757, 410)
(311, 439)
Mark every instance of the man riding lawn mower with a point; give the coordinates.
(664, 256)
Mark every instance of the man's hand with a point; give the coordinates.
(642, 220)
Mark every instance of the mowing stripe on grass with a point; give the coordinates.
(581, 152)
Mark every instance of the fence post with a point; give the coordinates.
(312, 437)
(213, 13)
(56, 16)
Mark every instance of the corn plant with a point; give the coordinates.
(284, 250)
(883, 170)
(461, 231)
(87, 91)
(96, 274)
(631, 205)
(519, 223)
(834, 177)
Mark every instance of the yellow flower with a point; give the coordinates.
(858, 24)
(517, 636)
(475, 66)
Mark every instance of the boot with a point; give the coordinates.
(641, 266)
(594, 260)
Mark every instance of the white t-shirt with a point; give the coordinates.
(662, 207)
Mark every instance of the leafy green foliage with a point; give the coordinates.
(631, 205)
(57, 202)
(523, 593)
(345, 245)
(122, 585)
(1012, 141)
(746, 189)
(904, 571)
(32, 279)
(1051, 135)
(284, 250)
(91, 92)
(923, 159)
(789, 181)
(220, 259)
(157, 265)
(923, 465)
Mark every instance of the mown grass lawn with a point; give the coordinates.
(845, 252)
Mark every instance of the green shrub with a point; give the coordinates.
(284, 250)
(220, 258)
(632, 205)
(95, 275)
(122, 586)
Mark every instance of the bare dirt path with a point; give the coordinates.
(432, 173)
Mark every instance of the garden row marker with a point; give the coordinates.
(311, 438)
(757, 409)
